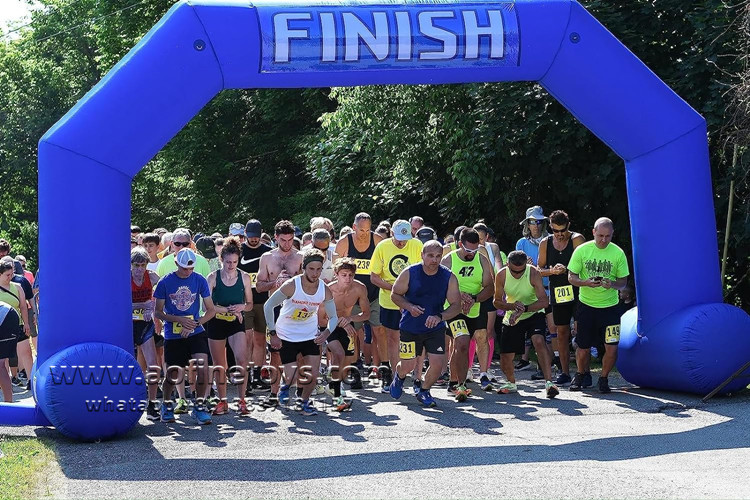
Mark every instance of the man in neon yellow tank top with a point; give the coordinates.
(519, 290)
(474, 274)
(600, 269)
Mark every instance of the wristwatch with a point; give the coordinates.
(525, 308)
(272, 333)
(441, 316)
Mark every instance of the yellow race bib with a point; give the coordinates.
(564, 294)
(458, 328)
(363, 266)
(351, 344)
(407, 350)
(301, 314)
(253, 279)
(139, 315)
(612, 334)
(226, 316)
(176, 327)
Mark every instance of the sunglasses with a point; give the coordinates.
(181, 243)
(559, 230)
(469, 250)
(535, 222)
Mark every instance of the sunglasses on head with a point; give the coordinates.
(181, 243)
(559, 230)
(535, 222)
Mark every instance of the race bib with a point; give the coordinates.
(458, 328)
(351, 346)
(301, 314)
(253, 279)
(363, 266)
(407, 350)
(226, 316)
(176, 327)
(139, 315)
(612, 334)
(564, 294)
(268, 338)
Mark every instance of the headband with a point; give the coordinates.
(312, 258)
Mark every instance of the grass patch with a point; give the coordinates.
(23, 465)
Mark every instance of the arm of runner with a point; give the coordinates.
(541, 261)
(342, 248)
(542, 300)
(364, 305)
(24, 308)
(379, 282)
(208, 305)
(576, 281)
(488, 284)
(400, 287)
(618, 284)
(454, 304)
(274, 301)
(264, 283)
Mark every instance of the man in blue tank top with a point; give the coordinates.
(421, 292)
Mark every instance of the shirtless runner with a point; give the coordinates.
(347, 292)
(275, 268)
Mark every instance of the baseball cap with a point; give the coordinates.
(401, 230)
(534, 212)
(253, 228)
(297, 232)
(235, 229)
(426, 234)
(186, 258)
(206, 247)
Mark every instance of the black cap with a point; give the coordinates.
(297, 232)
(426, 234)
(206, 247)
(253, 228)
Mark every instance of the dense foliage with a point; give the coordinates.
(449, 153)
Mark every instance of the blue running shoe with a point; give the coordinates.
(284, 395)
(397, 387)
(201, 414)
(308, 409)
(417, 386)
(167, 412)
(426, 398)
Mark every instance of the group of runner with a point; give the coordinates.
(209, 311)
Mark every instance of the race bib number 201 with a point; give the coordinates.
(564, 294)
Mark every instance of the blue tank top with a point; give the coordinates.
(428, 292)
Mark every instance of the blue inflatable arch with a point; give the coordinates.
(681, 337)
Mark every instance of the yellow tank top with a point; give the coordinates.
(517, 290)
(12, 300)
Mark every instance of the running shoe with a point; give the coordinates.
(167, 412)
(152, 411)
(604, 385)
(357, 384)
(577, 383)
(556, 361)
(200, 414)
(587, 381)
(221, 408)
(342, 404)
(181, 407)
(426, 398)
(307, 409)
(522, 365)
(387, 379)
(452, 387)
(374, 373)
(563, 379)
(486, 384)
(284, 395)
(15, 381)
(212, 403)
(537, 375)
(470, 376)
(298, 404)
(417, 386)
(320, 390)
(552, 390)
(461, 394)
(507, 388)
(270, 401)
(397, 387)
(443, 379)
(242, 408)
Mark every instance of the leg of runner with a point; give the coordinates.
(480, 337)
(219, 355)
(25, 359)
(563, 343)
(148, 350)
(335, 365)
(5, 384)
(238, 343)
(437, 365)
(459, 366)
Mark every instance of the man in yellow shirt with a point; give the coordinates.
(390, 257)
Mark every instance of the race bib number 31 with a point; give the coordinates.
(407, 350)
(612, 334)
(459, 328)
(564, 294)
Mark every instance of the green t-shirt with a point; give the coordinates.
(168, 265)
(589, 261)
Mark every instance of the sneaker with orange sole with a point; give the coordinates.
(222, 408)
(242, 408)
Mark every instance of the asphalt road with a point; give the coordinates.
(632, 443)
